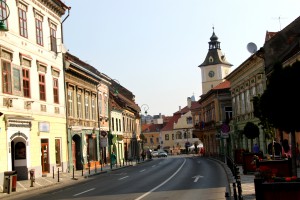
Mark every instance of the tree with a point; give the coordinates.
(279, 104)
(251, 130)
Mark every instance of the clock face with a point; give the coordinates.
(211, 74)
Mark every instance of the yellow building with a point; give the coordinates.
(32, 103)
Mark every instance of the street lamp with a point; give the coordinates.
(4, 14)
(146, 108)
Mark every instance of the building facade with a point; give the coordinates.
(33, 134)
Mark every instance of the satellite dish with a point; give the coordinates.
(251, 47)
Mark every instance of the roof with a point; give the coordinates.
(223, 85)
(170, 124)
(152, 128)
(195, 104)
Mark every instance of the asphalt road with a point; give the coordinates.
(162, 178)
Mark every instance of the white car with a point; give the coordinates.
(162, 154)
(154, 153)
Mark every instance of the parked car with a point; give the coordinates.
(154, 153)
(162, 154)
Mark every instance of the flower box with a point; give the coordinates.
(282, 167)
(289, 189)
(248, 163)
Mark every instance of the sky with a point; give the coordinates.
(154, 47)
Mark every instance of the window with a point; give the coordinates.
(17, 79)
(112, 124)
(42, 85)
(117, 127)
(23, 20)
(55, 90)
(86, 105)
(79, 106)
(26, 82)
(39, 30)
(106, 105)
(53, 38)
(228, 113)
(100, 103)
(189, 120)
(6, 77)
(70, 103)
(120, 124)
(3, 12)
(93, 109)
(167, 137)
(57, 152)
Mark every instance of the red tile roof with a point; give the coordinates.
(169, 125)
(223, 85)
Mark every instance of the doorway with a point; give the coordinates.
(45, 156)
(76, 152)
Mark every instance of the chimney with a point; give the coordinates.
(179, 108)
(189, 102)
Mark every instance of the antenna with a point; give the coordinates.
(251, 47)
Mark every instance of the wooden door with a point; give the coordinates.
(74, 153)
(45, 156)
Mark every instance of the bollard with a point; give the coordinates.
(239, 186)
(234, 191)
(53, 171)
(101, 163)
(82, 171)
(32, 177)
(95, 168)
(57, 174)
(73, 172)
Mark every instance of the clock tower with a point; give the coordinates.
(215, 66)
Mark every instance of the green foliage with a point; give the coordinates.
(266, 126)
(110, 138)
(279, 104)
(251, 130)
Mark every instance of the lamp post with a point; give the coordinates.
(146, 108)
(4, 15)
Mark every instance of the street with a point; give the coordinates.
(179, 177)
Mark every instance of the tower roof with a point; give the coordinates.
(214, 55)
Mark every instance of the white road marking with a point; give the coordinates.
(21, 185)
(83, 192)
(38, 183)
(123, 177)
(197, 177)
(147, 193)
(143, 170)
(153, 165)
(47, 180)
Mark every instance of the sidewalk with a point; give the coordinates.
(64, 178)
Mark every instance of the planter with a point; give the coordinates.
(248, 164)
(238, 156)
(276, 190)
(283, 167)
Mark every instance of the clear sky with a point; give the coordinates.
(154, 47)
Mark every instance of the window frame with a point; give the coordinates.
(26, 81)
(39, 30)
(42, 86)
(22, 14)
(6, 77)
(55, 90)
(53, 39)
